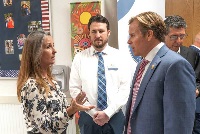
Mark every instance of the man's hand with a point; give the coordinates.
(100, 118)
(197, 92)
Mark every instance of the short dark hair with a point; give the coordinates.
(174, 21)
(98, 18)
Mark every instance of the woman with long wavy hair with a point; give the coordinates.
(44, 105)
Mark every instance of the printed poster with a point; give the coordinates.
(81, 12)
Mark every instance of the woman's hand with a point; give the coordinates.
(80, 98)
(77, 104)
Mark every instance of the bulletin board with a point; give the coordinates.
(17, 19)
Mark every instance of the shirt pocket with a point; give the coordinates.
(112, 78)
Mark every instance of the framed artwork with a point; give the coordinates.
(17, 19)
(81, 12)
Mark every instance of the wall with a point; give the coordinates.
(138, 7)
(189, 10)
(128, 9)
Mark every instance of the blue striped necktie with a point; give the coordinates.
(102, 96)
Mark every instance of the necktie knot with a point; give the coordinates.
(144, 63)
(99, 54)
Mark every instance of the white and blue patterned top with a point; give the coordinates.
(44, 114)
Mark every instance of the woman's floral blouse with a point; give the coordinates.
(44, 114)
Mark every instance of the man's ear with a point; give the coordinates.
(149, 35)
(109, 32)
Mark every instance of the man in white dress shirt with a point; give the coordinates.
(84, 77)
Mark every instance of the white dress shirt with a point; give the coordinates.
(83, 77)
(150, 57)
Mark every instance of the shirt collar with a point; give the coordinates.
(178, 50)
(153, 52)
(105, 51)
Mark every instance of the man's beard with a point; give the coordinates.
(101, 44)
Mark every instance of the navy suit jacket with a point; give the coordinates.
(193, 58)
(195, 49)
(166, 101)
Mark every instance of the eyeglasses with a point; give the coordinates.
(175, 37)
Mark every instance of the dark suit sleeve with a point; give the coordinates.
(195, 53)
(179, 98)
(197, 71)
(197, 66)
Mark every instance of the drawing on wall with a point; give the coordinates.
(25, 8)
(81, 12)
(9, 21)
(9, 48)
(21, 40)
(20, 17)
(7, 2)
(34, 26)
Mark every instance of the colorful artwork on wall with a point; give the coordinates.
(17, 19)
(81, 12)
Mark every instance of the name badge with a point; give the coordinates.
(112, 67)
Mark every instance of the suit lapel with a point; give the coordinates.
(150, 71)
(183, 52)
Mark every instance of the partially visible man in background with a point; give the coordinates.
(175, 35)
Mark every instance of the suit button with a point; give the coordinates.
(133, 118)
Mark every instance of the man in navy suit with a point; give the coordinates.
(175, 35)
(196, 47)
(165, 101)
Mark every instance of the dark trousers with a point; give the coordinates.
(88, 126)
(196, 129)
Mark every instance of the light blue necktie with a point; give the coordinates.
(102, 96)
